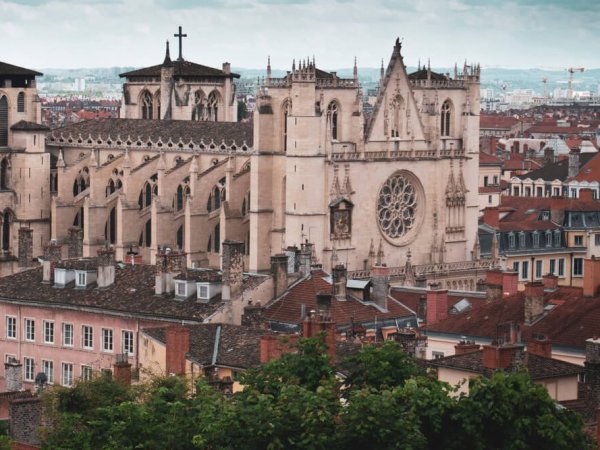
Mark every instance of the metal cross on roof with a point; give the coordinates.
(180, 35)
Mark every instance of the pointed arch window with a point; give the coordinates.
(199, 109)
(4, 174)
(446, 118)
(110, 228)
(6, 220)
(332, 119)
(179, 237)
(21, 102)
(286, 110)
(217, 197)
(3, 121)
(147, 105)
(217, 241)
(179, 198)
(212, 107)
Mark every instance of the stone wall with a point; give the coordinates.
(25, 420)
(25, 247)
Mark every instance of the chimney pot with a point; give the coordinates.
(177, 339)
(437, 304)
(491, 216)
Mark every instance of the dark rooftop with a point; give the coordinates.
(23, 125)
(9, 69)
(181, 69)
(422, 75)
(558, 170)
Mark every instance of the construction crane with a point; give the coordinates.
(545, 81)
(571, 71)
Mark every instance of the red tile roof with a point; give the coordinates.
(487, 159)
(493, 121)
(288, 309)
(590, 171)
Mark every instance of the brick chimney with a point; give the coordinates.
(586, 195)
(465, 346)
(493, 284)
(122, 370)
(273, 346)
(52, 255)
(13, 375)
(550, 281)
(534, 301)
(279, 265)
(380, 280)
(25, 247)
(500, 356)
(437, 303)
(305, 258)
(491, 216)
(233, 269)
(75, 242)
(177, 345)
(106, 267)
(591, 280)
(573, 163)
(510, 283)
(319, 321)
(160, 286)
(340, 278)
(541, 346)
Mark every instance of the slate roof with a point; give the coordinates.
(9, 69)
(287, 309)
(132, 292)
(410, 297)
(538, 367)
(572, 319)
(23, 125)
(558, 170)
(181, 69)
(422, 75)
(185, 130)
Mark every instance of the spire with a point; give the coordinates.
(269, 69)
(419, 65)
(293, 65)
(355, 72)
(61, 159)
(381, 73)
(126, 160)
(380, 254)
(167, 62)
(428, 70)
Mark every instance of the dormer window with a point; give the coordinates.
(511, 240)
(522, 239)
(536, 239)
(81, 277)
(548, 238)
(557, 238)
(203, 292)
(181, 289)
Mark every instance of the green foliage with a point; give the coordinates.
(242, 111)
(297, 402)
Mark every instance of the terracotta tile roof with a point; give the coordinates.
(9, 69)
(573, 319)
(528, 208)
(145, 130)
(495, 121)
(538, 367)
(489, 189)
(519, 163)
(486, 159)
(132, 292)
(181, 69)
(287, 309)
(410, 297)
(590, 170)
(23, 125)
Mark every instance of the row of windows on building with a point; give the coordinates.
(556, 266)
(540, 191)
(551, 238)
(67, 338)
(67, 370)
(4, 116)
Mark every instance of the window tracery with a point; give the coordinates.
(147, 105)
(446, 118)
(397, 206)
(332, 119)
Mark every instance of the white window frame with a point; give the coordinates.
(578, 237)
(81, 279)
(85, 337)
(561, 267)
(86, 372)
(66, 374)
(127, 342)
(48, 326)
(597, 240)
(552, 269)
(28, 368)
(29, 329)
(577, 274)
(48, 369)
(539, 268)
(181, 289)
(107, 337)
(524, 270)
(11, 327)
(71, 342)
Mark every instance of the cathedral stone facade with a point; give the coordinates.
(178, 171)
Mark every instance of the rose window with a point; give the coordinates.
(397, 206)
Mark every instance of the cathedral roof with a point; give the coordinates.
(9, 69)
(181, 69)
(422, 75)
(155, 130)
(23, 125)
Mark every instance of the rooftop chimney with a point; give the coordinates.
(272, 346)
(491, 216)
(75, 242)
(380, 281)
(591, 280)
(305, 258)
(52, 254)
(279, 264)
(437, 303)
(233, 269)
(573, 163)
(13, 375)
(534, 301)
(550, 281)
(25, 247)
(106, 267)
(177, 339)
(465, 347)
(320, 321)
(340, 278)
(541, 346)
(500, 357)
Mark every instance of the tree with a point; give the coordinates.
(242, 111)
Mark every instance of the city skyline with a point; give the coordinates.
(514, 34)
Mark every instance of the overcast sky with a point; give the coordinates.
(505, 33)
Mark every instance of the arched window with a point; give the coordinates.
(3, 121)
(4, 174)
(332, 119)
(78, 221)
(147, 105)
(146, 235)
(446, 118)
(199, 109)
(209, 203)
(217, 234)
(157, 102)
(6, 219)
(209, 244)
(286, 110)
(217, 197)
(148, 195)
(110, 229)
(179, 237)
(110, 189)
(21, 102)
(212, 107)
(244, 207)
(179, 198)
